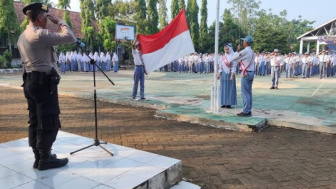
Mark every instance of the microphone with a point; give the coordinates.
(79, 43)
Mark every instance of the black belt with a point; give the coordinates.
(250, 71)
(138, 65)
(40, 75)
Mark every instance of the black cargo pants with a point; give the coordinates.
(43, 109)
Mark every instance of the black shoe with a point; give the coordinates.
(48, 161)
(228, 106)
(272, 87)
(242, 114)
(133, 97)
(37, 158)
(143, 98)
(223, 106)
(276, 88)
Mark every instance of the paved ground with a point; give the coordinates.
(212, 158)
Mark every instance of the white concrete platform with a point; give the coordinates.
(185, 185)
(90, 168)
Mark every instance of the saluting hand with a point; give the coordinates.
(53, 19)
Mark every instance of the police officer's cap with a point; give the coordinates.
(35, 7)
(276, 50)
(248, 39)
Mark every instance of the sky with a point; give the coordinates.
(320, 11)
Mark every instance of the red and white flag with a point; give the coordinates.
(168, 45)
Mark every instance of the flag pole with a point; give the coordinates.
(215, 91)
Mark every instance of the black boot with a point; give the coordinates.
(48, 161)
(37, 158)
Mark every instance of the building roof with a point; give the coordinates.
(75, 19)
(318, 31)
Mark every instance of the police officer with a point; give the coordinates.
(40, 81)
(246, 57)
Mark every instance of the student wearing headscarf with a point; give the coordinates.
(227, 69)
(115, 62)
(68, 61)
(108, 59)
(79, 58)
(86, 62)
(102, 61)
(91, 65)
(97, 60)
(62, 60)
(73, 56)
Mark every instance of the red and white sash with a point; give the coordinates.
(244, 68)
(226, 62)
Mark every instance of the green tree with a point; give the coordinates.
(295, 28)
(102, 8)
(193, 21)
(123, 11)
(142, 11)
(203, 42)
(140, 15)
(189, 11)
(104, 21)
(270, 33)
(246, 11)
(152, 17)
(162, 14)
(64, 5)
(2, 62)
(229, 30)
(8, 58)
(87, 15)
(181, 4)
(108, 33)
(90, 32)
(174, 8)
(9, 27)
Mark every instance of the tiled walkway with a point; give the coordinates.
(90, 168)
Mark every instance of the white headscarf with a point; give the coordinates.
(227, 57)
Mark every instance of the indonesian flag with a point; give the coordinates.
(168, 45)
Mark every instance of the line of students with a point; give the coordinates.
(293, 64)
(73, 61)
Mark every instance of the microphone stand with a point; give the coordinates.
(96, 142)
